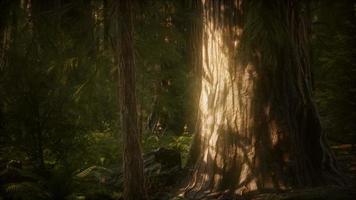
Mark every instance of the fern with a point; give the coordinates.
(26, 190)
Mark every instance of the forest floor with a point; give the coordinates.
(346, 157)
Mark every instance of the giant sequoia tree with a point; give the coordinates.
(258, 127)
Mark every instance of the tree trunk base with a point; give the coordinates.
(317, 193)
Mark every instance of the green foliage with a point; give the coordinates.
(26, 190)
(162, 66)
(334, 61)
(25, 184)
(58, 85)
(58, 105)
(180, 143)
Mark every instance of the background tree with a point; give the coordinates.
(59, 131)
(132, 154)
(334, 61)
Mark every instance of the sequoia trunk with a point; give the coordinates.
(258, 127)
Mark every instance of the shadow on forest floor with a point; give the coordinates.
(165, 176)
(318, 193)
(346, 156)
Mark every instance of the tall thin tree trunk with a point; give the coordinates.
(133, 164)
(106, 23)
(258, 127)
(195, 60)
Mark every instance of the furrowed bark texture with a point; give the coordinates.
(258, 127)
(132, 155)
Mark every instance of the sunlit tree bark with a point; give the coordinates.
(133, 164)
(258, 127)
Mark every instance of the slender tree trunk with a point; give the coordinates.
(195, 60)
(133, 164)
(7, 24)
(258, 126)
(106, 23)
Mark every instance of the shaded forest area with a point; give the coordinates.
(190, 99)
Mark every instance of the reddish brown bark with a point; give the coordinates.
(258, 126)
(132, 154)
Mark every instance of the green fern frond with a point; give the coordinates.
(92, 170)
(26, 190)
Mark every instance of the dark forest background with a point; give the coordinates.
(59, 117)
